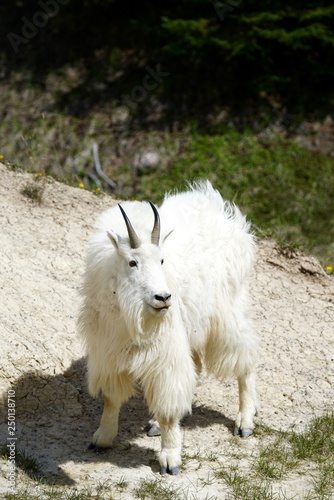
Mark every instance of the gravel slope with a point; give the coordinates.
(42, 256)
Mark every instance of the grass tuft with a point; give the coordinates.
(275, 461)
(311, 449)
(316, 442)
(243, 488)
(34, 191)
(121, 484)
(323, 482)
(268, 469)
(25, 462)
(155, 490)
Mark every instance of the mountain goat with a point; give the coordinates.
(158, 304)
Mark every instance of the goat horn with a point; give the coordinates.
(155, 236)
(134, 240)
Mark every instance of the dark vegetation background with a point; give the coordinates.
(240, 92)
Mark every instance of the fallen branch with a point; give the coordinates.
(98, 167)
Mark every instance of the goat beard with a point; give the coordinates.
(143, 324)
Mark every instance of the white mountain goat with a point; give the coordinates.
(158, 304)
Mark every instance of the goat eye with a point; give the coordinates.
(133, 263)
(162, 261)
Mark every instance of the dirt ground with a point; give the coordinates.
(42, 249)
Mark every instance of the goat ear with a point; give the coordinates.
(113, 238)
(165, 235)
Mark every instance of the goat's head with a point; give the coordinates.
(141, 281)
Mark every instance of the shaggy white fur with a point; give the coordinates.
(156, 313)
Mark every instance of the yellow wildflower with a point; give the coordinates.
(81, 185)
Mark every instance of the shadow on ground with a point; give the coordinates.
(56, 418)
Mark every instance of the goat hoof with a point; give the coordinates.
(173, 471)
(96, 449)
(154, 430)
(245, 433)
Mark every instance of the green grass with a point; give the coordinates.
(261, 472)
(286, 191)
(275, 461)
(153, 489)
(316, 441)
(316, 444)
(121, 484)
(245, 488)
(58, 494)
(289, 452)
(33, 191)
(27, 463)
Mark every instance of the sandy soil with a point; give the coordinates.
(42, 252)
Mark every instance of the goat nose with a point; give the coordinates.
(162, 298)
